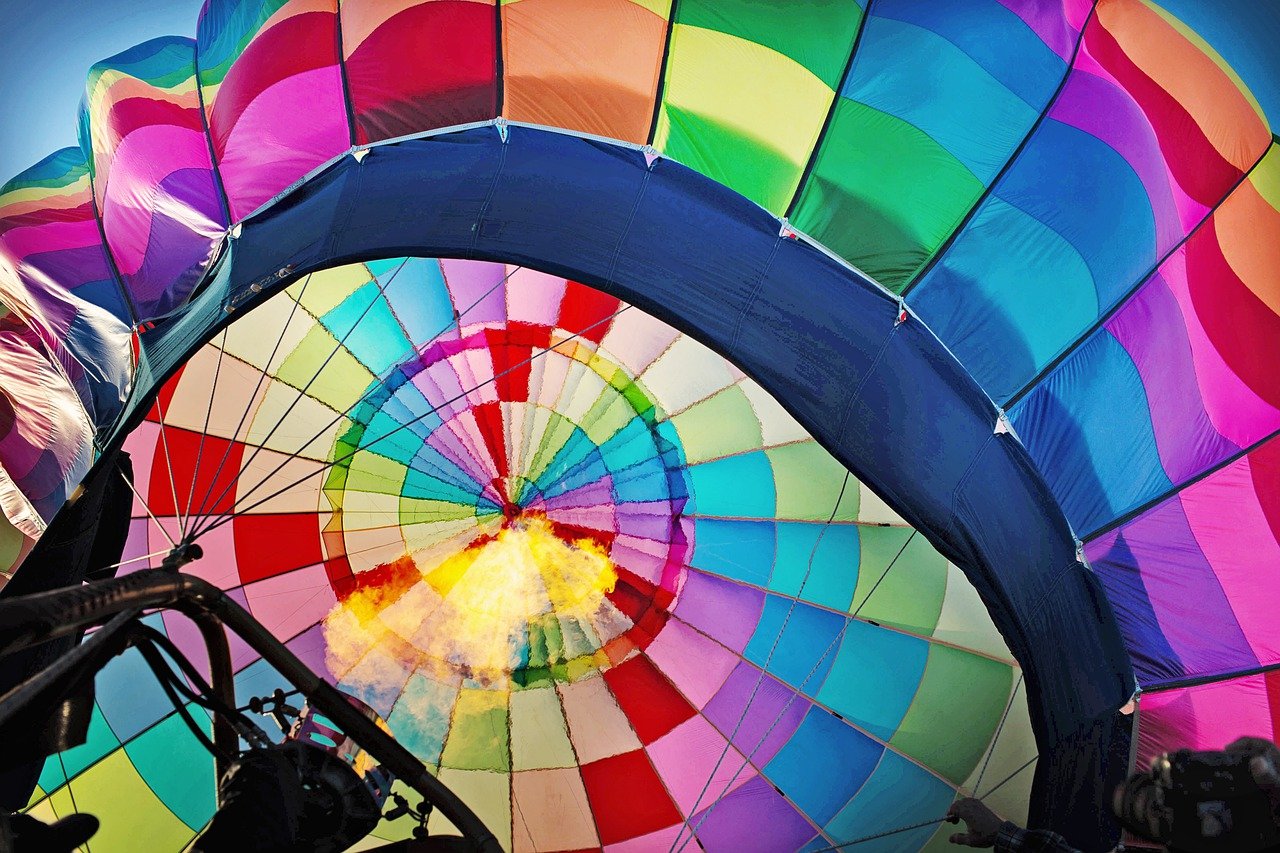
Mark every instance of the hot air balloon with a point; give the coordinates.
(685, 423)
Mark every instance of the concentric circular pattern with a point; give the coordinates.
(538, 502)
(588, 572)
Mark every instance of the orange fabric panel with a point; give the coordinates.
(585, 65)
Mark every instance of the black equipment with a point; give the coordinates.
(1199, 802)
(323, 789)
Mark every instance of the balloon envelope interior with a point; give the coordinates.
(586, 570)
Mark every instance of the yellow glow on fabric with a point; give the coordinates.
(471, 613)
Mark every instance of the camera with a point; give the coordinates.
(1198, 802)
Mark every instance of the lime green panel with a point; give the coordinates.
(967, 691)
(818, 34)
(910, 594)
(341, 380)
(11, 540)
(132, 817)
(740, 113)
(371, 472)
(478, 739)
(178, 769)
(883, 194)
(808, 481)
(721, 425)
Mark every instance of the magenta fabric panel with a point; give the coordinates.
(1208, 716)
(273, 93)
(153, 180)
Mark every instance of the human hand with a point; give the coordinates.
(983, 824)
(1264, 765)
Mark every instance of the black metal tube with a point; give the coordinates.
(34, 619)
(222, 684)
(14, 701)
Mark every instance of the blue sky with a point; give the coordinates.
(46, 46)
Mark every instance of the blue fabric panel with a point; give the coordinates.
(993, 37)
(735, 486)
(967, 111)
(817, 562)
(795, 642)
(1153, 658)
(364, 323)
(1068, 230)
(1088, 426)
(129, 696)
(742, 550)
(598, 213)
(418, 297)
(899, 793)
(874, 678)
(823, 765)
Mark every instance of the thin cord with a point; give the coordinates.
(204, 433)
(456, 321)
(996, 737)
(359, 449)
(728, 744)
(150, 514)
(302, 392)
(791, 699)
(226, 452)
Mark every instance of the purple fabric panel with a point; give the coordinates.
(1102, 109)
(174, 261)
(1048, 21)
(762, 710)
(1186, 599)
(735, 821)
(1150, 328)
(726, 612)
(468, 281)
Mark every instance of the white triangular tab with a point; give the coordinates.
(1003, 427)
(651, 156)
(503, 130)
(235, 230)
(359, 154)
(785, 230)
(903, 315)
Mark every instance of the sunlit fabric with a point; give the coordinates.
(1010, 262)
(580, 559)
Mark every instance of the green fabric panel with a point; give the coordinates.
(372, 472)
(178, 768)
(883, 194)
(910, 595)
(721, 425)
(11, 540)
(478, 739)
(808, 480)
(98, 742)
(132, 817)
(766, 176)
(969, 692)
(818, 34)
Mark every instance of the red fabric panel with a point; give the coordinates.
(1194, 162)
(1273, 701)
(128, 115)
(1234, 318)
(489, 419)
(626, 797)
(430, 66)
(164, 399)
(297, 44)
(269, 544)
(652, 703)
(583, 309)
(1264, 468)
(183, 451)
